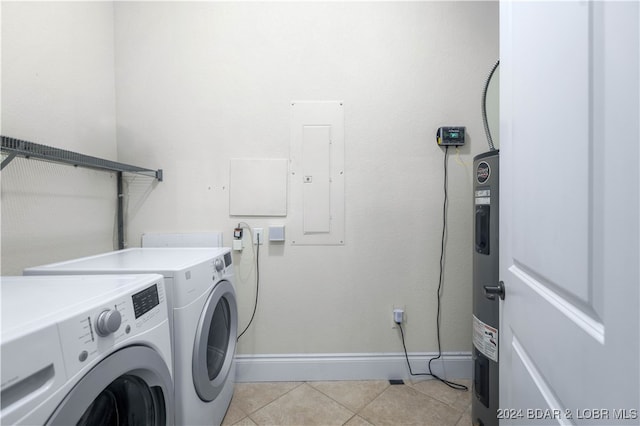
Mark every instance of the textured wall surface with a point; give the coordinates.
(187, 86)
(201, 83)
(58, 89)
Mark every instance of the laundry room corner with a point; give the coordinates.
(191, 87)
(201, 84)
(58, 89)
(319, 212)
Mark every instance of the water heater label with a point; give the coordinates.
(483, 171)
(485, 339)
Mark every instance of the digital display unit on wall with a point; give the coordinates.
(450, 136)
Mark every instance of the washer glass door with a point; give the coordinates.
(132, 386)
(128, 400)
(215, 342)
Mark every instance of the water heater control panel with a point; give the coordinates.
(450, 136)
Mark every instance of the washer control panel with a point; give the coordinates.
(87, 335)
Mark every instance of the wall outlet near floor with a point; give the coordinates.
(398, 316)
(258, 235)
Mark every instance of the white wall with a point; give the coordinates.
(58, 89)
(200, 83)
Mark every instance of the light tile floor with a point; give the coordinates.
(349, 403)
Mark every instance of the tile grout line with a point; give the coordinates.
(367, 419)
(356, 412)
(440, 400)
(331, 398)
(271, 402)
(459, 418)
(349, 419)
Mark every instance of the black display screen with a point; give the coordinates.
(453, 134)
(145, 300)
(227, 259)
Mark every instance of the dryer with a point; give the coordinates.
(203, 318)
(80, 349)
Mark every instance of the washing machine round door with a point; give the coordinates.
(215, 343)
(131, 386)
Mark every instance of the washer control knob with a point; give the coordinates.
(218, 264)
(108, 322)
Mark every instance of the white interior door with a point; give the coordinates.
(569, 231)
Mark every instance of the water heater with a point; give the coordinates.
(486, 289)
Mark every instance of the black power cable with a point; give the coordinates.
(445, 206)
(255, 305)
(445, 203)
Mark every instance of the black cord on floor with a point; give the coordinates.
(255, 305)
(453, 385)
(407, 356)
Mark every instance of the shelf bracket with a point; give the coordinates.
(7, 160)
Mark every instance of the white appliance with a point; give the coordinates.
(80, 349)
(203, 318)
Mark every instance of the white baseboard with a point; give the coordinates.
(321, 367)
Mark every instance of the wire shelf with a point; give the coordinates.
(16, 147)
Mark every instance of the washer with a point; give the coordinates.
(203, 318)
(80, 349)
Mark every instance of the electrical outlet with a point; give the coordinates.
(258, 236)
(398, 315)
(402, 309)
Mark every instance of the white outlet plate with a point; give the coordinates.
(258, 235)
(404, 316)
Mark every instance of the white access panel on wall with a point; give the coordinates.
(258, 187)
(317, 173)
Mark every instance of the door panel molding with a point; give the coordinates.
(584, 317)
